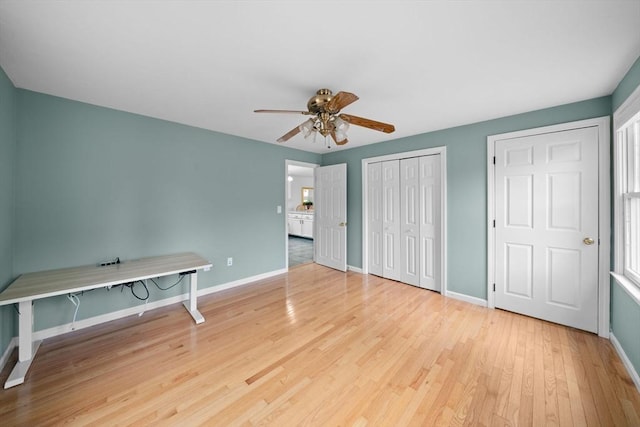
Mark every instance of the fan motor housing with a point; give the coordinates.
(319, 100)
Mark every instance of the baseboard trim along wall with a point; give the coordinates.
(354, 269)
(625, 360)
(7, 352)
(466, 298)
(140, 309)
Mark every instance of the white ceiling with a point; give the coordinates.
(421, 65)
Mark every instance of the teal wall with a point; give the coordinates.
(7, 157)
(466, 185)
(625, 312)
(94, 183)
(627, 85)
(625, 319)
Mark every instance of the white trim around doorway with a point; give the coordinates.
(288, 163)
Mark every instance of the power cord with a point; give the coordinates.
(133, 292)
(166, 289)
(75, 300)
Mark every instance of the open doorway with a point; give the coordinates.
(300, 226)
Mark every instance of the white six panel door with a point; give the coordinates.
(374, 218)
(546, 199)
(331, 216)
(391, 219)
(430, 222)
(409, 225)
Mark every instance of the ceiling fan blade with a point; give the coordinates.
(335, 138)
(339, 101)
(287, 136)
(368, 123)
(283, 111)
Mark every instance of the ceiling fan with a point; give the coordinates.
(324, 107)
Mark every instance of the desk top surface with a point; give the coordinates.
(49, 283)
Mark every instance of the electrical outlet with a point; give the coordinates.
(229, 262)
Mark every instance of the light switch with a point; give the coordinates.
(279, 209)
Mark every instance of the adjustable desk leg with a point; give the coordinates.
(192, 304)
(27, 348)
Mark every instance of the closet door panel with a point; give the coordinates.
(391, 219)
(430, 220)
(409, 226)
(374, 218)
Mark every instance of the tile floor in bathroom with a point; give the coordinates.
(300, 251)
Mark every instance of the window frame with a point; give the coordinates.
(625, 119)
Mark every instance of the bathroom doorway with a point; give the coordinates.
(300, 226)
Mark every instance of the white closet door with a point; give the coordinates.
(430, 220)
(410, 218)
(391, 219)
(374, 218)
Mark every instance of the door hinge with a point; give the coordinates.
(494, 223)
(494, 160)
(494, 287)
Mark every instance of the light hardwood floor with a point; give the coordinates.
(322, 348)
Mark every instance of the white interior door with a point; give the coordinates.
(546, 233)
(391, 219)
(409, 225)
(331, 216)
(374, 218)
(430, 222)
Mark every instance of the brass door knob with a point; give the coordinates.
(588, 241)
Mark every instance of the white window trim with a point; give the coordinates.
(621, 116)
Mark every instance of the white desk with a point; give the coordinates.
(32, 286)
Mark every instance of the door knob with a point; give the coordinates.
(588, 241)
(342, 224)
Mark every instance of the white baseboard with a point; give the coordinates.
(7, 352)
(96, 320)
(466, 298)
(107, 317)
(240, 282)
(354, 269)
(625, 360)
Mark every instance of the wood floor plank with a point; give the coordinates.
(322, 348)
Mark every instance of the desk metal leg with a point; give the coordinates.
(192, 304)
(27, 348)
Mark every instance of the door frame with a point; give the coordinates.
(442, 151)
(288, 163)
(604, 209)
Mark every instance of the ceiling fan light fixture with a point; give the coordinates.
(341, 126)
(307, 127)
(341, 135)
